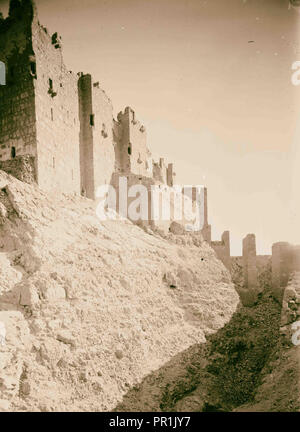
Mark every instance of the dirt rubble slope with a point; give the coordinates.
(89, 307)
(249, 365)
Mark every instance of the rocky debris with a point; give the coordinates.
(66, 337)
(28, 295)
(4, 405)
(51, 352)
(170, 279)
(3, 214)
(15, 346)
(177, 228)
(119, 354)
(223, 374)
(89, 302)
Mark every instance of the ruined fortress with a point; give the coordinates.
(57, 128)
(61, 120)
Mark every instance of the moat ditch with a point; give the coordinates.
(245, 366)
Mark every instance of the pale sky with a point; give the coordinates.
(222, 108)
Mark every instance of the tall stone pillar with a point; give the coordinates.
(170, 179)
(226, 242)
(206, 230)
(251, 286)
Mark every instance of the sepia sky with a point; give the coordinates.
(211, 80)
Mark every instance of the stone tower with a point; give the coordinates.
(135, 156)
(97, 148)
(17, 114)
(39, 103)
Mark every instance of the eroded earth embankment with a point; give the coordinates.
(91, 308)
(249, 365)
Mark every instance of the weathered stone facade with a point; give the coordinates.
(97, 146)
(57, 124)
(285, 261)
(135, 157)
(63, 122)
(17, 107)
(222, 249)
(253, 273)
(34, 117)
(249, 262)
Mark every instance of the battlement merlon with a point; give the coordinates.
(128, 116)
(87, 80)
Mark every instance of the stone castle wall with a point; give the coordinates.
(160, 171)
(135, 156)
(97, 150)
(57, 122)
(222, 249)
(165, 204)
(170, 175)
(253, 273)
(65, 121)
(86, 136)
(103, 139)
(17, 107)
(285, 261)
